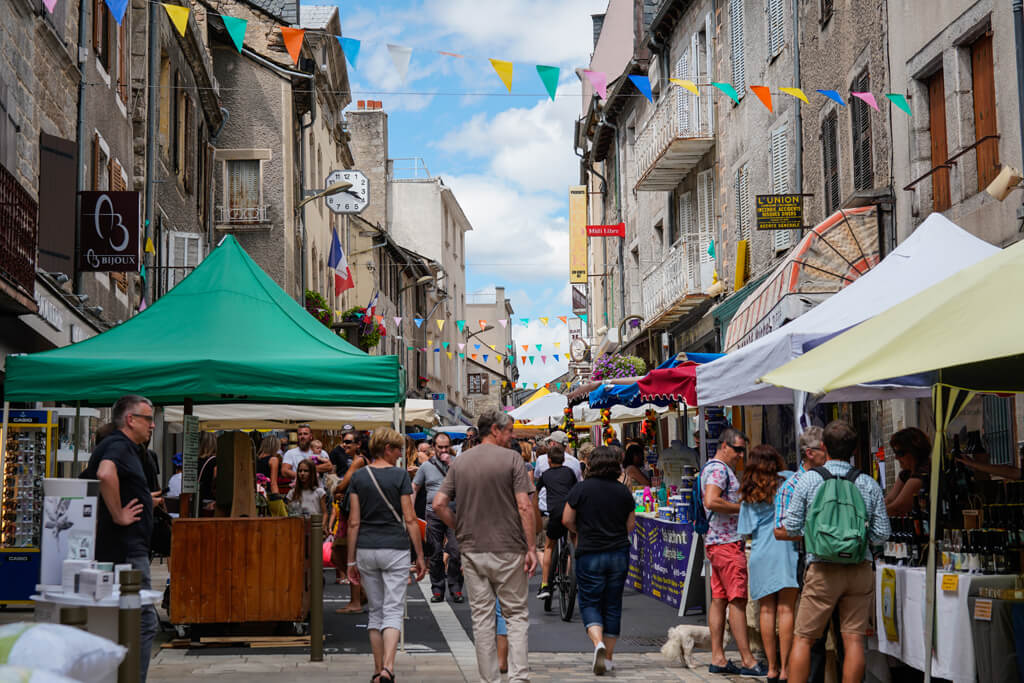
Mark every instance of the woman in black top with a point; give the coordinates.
(913, 450)
(600, 511)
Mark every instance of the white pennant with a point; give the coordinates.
(400, 57)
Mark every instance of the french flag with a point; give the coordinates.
(339, 264)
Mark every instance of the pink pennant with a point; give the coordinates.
(598, 79)
(398, 323)
(50, 4)
(543, 359)
(503, 322)
(866, 97)
(461, 346)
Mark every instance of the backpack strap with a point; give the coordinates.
(823, 473)
(852, 475)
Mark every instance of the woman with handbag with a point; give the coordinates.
(378, 545)
(351, 444)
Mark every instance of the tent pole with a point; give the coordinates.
(939, 409)
(76, 436)
(703, 439)
(3, 430)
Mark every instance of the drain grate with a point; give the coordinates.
(643, 641)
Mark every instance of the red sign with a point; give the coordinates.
(617, 230)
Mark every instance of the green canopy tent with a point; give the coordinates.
(227, 333)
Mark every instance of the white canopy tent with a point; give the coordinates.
(538, 411)
(585, 416)
(935, 251)
(419, 412)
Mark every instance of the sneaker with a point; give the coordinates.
(729, 668)
(544, 593)
(457, 597)
(609, 665)
(599, 660)
(759, 670)
(437, 597)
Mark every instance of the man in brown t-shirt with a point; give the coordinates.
(494, 526)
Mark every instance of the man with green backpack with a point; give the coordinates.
(839, 511)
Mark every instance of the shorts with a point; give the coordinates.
(500, 625)
(728, 570)
(555, 529)
(827, 586)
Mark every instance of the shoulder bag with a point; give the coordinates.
(398, 518)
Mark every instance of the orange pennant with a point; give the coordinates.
(526, 347)
(763, 94)
(564, 319)
(293, 41)
(483, 323)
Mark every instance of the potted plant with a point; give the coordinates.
(614, 365)
(358, 328)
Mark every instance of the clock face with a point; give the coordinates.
(352, 200)
(577, 349)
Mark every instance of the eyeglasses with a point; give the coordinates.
(147, 418)
(348, 442)
(739, 449)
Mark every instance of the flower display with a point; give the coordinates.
(614, 366)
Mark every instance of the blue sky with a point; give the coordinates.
(508, 157)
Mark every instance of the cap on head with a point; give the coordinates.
(558, 437)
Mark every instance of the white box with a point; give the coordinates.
(95, 584)
(69, 570)
(118, 568)
(69, 525)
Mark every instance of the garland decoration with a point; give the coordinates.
(607, 431)
(649, 427)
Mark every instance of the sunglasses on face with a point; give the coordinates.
(739, 449)
(348, 442)
(147, 418)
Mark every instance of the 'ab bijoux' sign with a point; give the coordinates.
(110, 232)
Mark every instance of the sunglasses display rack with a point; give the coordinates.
(28, 453)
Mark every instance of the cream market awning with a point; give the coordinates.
(418, 412)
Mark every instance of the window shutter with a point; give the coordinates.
(743, 203)
(709, 53)
(830, 162)
(780, 180)
(682, 96)
(696, 124)
(243, 189)
(97, 172)
(707, 228)
(98, 7)
(739, 73)
(776, 27)
(122, 59)
(860, 119)
(690, 238)
(937, 135)
(984, 91)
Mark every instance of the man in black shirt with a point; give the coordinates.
(125, 517)
(557, 481)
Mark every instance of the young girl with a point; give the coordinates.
(307, 496)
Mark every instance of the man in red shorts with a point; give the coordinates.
(724, 549)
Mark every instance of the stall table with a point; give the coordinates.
(953, 657)
(660, 558)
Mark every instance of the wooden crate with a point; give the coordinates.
(238, 570)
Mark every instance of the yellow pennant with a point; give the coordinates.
(544, 321)
(689, 85)
(178, 15)
(430, 342)
(504, 70)
(449, 354)
(795, 92)
(150, 249)
(492, 347)
(440, 325)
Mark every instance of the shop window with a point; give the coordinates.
(830, 161)
(737, 48)
(860, 120)
(984, 86)
(478, 383)
(937, 133)
(776, 27)
(780, 180)
(243, 191)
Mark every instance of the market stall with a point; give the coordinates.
(418, 413)
(225, 334)
(663, 561)
(937, 330)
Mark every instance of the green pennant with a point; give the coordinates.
(236, 29)
(900, 101)
(583, 317)
(142, 271)
(728, 90)
(461, 324)
(526, 322)
(531, 360)
(539, 346)
(711, 248)
(549, 75)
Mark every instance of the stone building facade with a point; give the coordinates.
(491, 372)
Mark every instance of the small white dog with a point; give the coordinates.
(681, 641)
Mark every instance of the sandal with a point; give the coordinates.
(375, 679)
(351, 610)
(390, 678)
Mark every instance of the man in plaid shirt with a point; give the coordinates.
(812, 455)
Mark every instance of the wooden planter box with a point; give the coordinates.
(239, 570)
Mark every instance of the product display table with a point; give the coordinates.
(659, 557)
(953, 657)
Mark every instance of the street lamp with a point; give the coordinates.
(330, 191)
(301, 206)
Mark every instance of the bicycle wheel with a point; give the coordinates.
(566, 579)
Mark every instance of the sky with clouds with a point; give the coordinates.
(507, 156)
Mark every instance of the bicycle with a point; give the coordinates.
(563, 579)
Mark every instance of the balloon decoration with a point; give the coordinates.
(607, 431)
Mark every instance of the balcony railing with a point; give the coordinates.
(674, 287)
(672, 141)
(243, 214)
(19, 232)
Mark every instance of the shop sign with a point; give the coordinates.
(49, 312)
(578, 234)
(617, 230)
(780, 211)
(110, 232)
(190, 454)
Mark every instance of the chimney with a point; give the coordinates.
(598, 20)
(361, 104)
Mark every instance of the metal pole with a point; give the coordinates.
(1018, 39)
(75, 432)
(129, 626)
(152, 121)
(316, 589)
(83, 51)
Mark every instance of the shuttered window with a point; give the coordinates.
(781, 239)
(184, 251)
(776, 27)
(830, 161)
(691, 238)
(103, 33)
(937, 132)
(984, 110)
(860, 119)
(683, 96)
(826, 11)
(118, 184)
(243, 190)
(743, 207)
(122, 60)
(706, 76)
(478, 383)
(8, 137)
(737, 50)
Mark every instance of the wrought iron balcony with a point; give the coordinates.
(672, 141)
(673, 288)
(19, 233)
(241, 215)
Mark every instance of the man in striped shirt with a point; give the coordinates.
(828, 585)
(812, 454)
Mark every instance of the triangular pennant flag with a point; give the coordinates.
(524, 360)
(461, 346)
(689, 85)
(350, 46)
(142, 304)
(866, 97)
(449, 54)
(400, 57)
(555, 356)
(557, 344)
(117, 8)
(599, 81)
(483, 323)
(398, 323)
(524, 383)
(549, 76)
(543, 359)
(795, 92)
(379, 319)
(711, 248)
(418, 321)
(476, 346)
(446, 345)
(492, 347)
(462, 355)
(437, 350)
(525, 321)
(538, 346)
(508, 346)
(178, 15)
(293, 41)
(440, 325)
(764, 94)
(834, 96)
(142, 270)
(449, 354)
(236, 29)
(643, 84)
(504, 71)
(544, 321)
(150, 249)
(728, 90)
(583, 317)
(50, 4)
(409, 348)
(564, 319)
(460, 324)
(547, 386)
(531, 359)
(430, 342)
(534, 385)
(503, 322)
(473, 356)
(526, 347)
(899, 100)
(485, 357)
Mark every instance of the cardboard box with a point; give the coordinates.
(69, 525)
(70, 570)
(95, 584)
